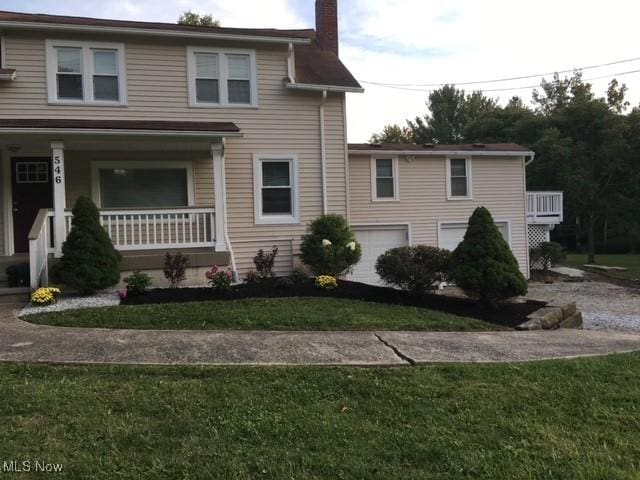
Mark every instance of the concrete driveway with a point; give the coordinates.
(25, 342)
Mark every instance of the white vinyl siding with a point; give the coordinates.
(222, 77)
(459, 178)
(85, 72)
(498, 185)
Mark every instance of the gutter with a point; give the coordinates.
(323, 153)
(8, 76)
(323, 88)
(151, 32)
(423, 153)
(530, 161)
(94, 131)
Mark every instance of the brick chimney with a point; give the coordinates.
(327, 24)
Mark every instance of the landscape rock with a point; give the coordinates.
(573, 321)
(549, 317)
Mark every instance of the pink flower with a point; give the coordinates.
(208, 275)
(122, 293)
(214, 269)
(229, 274)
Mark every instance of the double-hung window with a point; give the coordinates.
(276, 190)
(85, 72)
(221, 77)
(384, 179)
(459, 178)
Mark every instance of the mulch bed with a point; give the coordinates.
(508, 314)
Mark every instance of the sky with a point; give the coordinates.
(420, 42)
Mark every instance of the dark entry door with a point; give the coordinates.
(32, 190)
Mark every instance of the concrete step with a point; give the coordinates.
(14, 295)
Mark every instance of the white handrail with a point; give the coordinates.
(39, 250)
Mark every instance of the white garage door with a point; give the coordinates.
(451, 234)
(375, 241)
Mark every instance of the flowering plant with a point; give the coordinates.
(45, 296)
(326, 282)
(326, 243)
(220, 280)
(351, 246)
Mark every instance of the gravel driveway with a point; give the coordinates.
(604, 306)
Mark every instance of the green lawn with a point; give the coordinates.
(632, 262)
(266, 314)
(573, 419)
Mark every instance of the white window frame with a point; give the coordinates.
(269, 219)
(87, 72)
(468, 162)
(374, 176)
(465, 223)
(223, 77)
(142, 164)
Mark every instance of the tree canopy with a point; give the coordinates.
(198, 20)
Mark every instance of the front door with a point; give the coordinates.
(32, 190)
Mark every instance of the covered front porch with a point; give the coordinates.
(158, 186)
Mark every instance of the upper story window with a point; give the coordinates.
(222, 77)
(85, 72)
(459, 178)
(275, 189)
(384, 179)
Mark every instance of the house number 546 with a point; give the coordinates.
(57, 169)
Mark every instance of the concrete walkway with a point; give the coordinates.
(25, 342)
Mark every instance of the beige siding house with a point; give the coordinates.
(218, 142)
(213, 141)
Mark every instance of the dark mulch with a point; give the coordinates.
(508, 314)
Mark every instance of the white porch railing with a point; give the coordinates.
(157, 228)
(544, 207)
(39, 248)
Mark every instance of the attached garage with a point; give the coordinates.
(450, 234)
(376, 240)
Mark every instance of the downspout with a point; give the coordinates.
(226, 223)
(526, 218)
(323, 154)
(291, 64)
(530, 161)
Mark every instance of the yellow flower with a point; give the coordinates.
(326, 282)
(45, 296)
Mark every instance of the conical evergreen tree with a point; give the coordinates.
(89, 260)
(483, 264)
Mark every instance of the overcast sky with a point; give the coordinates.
(424, 41)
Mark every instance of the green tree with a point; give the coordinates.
(89, 261)
(591, 143)
(392, 134)
(483, 264)
(198, 20)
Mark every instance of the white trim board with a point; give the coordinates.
(223, 77)
(374, 178)
(145, 164)
(441, 153)
(261, 219)
(87, 72)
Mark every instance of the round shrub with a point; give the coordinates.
(137, 283)
(89, 261)
(329, 247)
(414, 269)
(483, 265)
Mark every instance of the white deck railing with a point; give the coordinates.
(39, 250)
(544, 207)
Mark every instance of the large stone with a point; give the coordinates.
(568, 309)
(533, 324)
(549, 317)
(573, 321)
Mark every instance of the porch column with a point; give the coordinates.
(59, 197)
(220, 193)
